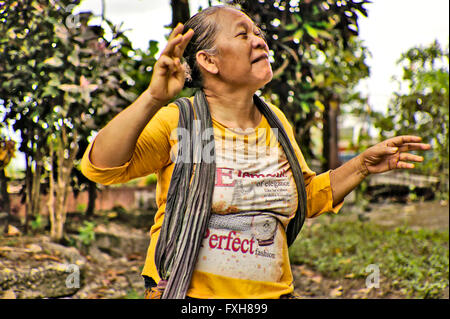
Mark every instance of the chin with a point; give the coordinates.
(267, 78)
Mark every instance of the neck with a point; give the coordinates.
(233, 108)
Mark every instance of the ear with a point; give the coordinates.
(207, 62)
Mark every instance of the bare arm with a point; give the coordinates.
(114, 145)
(382, 157)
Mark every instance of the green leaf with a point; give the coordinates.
(319, 105)
(70, 74)
(311, 31)
(291, 27)
(50, 91)
(305, 107)
(298, 34)
(54, 61)
(298, 18)
(31, 63)
(153, 47)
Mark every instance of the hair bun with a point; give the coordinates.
(187, 72)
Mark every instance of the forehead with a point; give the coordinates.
(230, 19)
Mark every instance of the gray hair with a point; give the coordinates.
(205, 31)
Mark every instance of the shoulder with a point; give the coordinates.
(279, 113)
(167, 116)
(168, 113)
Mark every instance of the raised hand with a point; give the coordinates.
(168, 73)
(391, 154)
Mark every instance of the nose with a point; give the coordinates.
(259, 43)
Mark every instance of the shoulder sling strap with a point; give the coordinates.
(190, 193)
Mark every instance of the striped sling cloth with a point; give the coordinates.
(190, 193)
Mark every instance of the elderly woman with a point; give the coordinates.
(223, 228)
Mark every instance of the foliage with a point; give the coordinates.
(133, 294)
(421, 106)
(86, 233)
(138, 66)
(414, 261)
(37, 223)
(63, 78)
(316, 56)
(7, 150)
(151, 179)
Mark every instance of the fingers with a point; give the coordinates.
(171, 44)
(173, 40)
(177, 42)
(404, 165)
(405, 158)
(393, 153)
(410, 157)
(414, 147)
(407, 139)
(176, 31)
(168, 65)
(405, 143)
(184, 42)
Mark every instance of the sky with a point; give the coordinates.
(392, 27)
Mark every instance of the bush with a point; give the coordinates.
(87, 233)
(415, 262)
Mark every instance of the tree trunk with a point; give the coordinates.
(28, 179)
(36, 183)
(34, 165)
(5, 204)
(60, 184)
(51, 192)
(334, 136)
(330, 134)
(92, 197)
(180, 11)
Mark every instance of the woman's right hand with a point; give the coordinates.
(168, 73)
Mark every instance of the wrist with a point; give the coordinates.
(362, 167)
(153, 101)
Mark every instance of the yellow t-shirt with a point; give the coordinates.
(244, 253)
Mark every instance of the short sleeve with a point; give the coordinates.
(152, 151)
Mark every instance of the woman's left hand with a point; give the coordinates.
(392, 154)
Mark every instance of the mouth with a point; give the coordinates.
(264, 56)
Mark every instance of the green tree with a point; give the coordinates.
(337, 71)
(63, 79)
(421, 106)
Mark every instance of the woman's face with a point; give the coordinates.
(243, 55)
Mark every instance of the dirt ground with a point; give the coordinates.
(310, 283)
(109, 276)
(427, 214)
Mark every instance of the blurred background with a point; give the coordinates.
(347, 74)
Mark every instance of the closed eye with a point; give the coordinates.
(259, 33)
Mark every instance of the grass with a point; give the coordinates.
(133, 294)
(413, 262)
